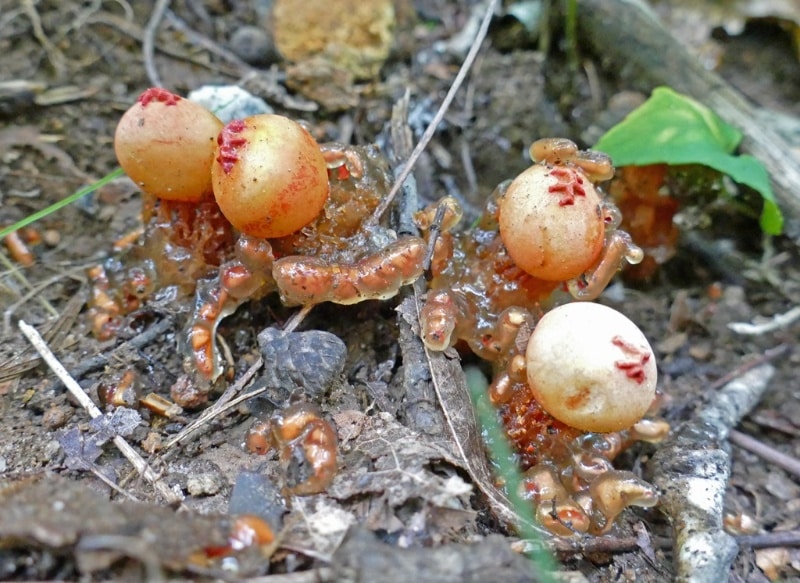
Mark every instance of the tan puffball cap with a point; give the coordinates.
(551, 222)
(591, 367)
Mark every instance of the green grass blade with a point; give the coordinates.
(61, 203)
(500, 452)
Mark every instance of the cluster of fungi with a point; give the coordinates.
(235, 212)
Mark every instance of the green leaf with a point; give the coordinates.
(670, 128)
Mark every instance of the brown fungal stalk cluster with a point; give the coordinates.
(306, 444)
(246, 217)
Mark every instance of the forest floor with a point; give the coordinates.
(83, 64)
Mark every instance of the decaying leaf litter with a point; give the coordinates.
(420, 497)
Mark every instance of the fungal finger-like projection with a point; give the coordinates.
(306, 444)
(560, 151)
(614, 491)
(308, 280)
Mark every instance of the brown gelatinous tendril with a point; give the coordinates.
(306, 444)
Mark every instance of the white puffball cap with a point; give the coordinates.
(591, 367)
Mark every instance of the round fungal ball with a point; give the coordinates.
(551, 222)
(591, 368)
(269, 176)
(166, 145)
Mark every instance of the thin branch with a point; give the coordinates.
(36, 291)
(627, 544)
(775, 323)
(221, 404)
(448, 99)
(692, 468)
(149, 41)
(768, 356)
(297, 318)
(54, 54)
(14, 270)
(786, 462)
(77, 391)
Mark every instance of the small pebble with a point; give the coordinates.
(302, 362)
(254, 45)
(51, 237)
(206, 484)
(56, 416)
(51, 450)
(229, 102)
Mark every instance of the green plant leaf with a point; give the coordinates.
(670, 128)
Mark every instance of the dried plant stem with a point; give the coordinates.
(100, 360)
(769, 454)
(54, 54)
(437, 119)
(219, 406)
(627, 544)
(149, 41)
(77, 391)
(298, 318)
(15, 271)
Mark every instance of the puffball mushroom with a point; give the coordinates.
(166, 145)
(269, 176)
(551, 222)
(591, 368)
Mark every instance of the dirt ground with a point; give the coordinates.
(84, 65)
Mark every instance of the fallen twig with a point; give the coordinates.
(692, 468)
(777, 322)
(789, 538)
(54, 54)
(17, 273)
(124, 447)
(297, 318)
(132, 30)
(626, 544)
(53, 331)
(448, 99)
(786, 462)
(36, 291)
(768, 356)
(149, 40)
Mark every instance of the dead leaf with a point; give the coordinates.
(451, 390)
